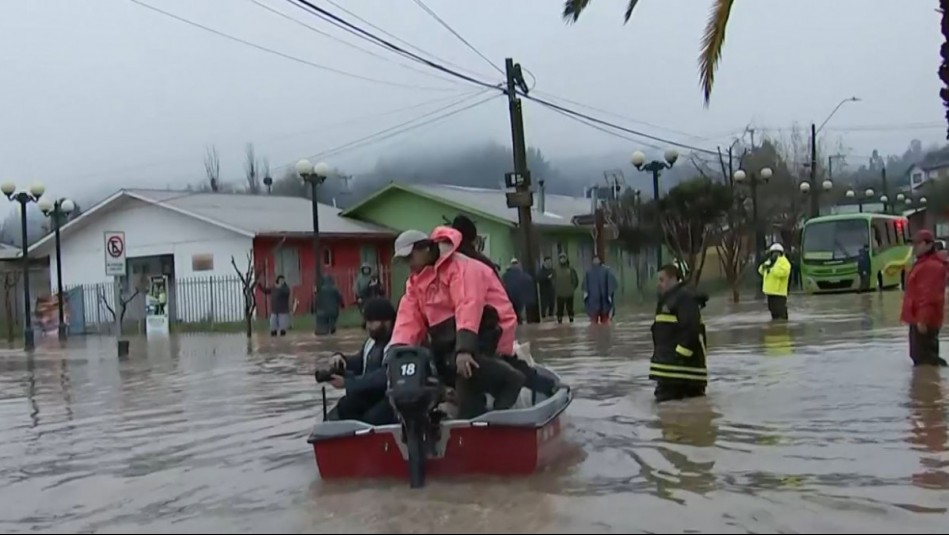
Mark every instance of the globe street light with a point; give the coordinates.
(850, 194)
(656, 167)
(24, 198)
(58, 211)
(754, 179)
(922, 200)
(314, 176)
(805, 187)
(900, 197)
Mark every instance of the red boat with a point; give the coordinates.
(512, 442)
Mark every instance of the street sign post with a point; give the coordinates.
(115, 266)
(114, 254)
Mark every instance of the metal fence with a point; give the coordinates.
(203, 300)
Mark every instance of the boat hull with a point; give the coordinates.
(503, 443)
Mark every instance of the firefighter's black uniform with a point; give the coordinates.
(678, 335)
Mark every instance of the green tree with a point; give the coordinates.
(712, 41)
(687, 218)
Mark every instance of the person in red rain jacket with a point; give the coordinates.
(924, 301)
(459, 303)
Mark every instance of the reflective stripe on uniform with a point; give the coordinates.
(684, 351)
(668, 371)
(666, 318)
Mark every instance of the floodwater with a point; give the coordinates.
(817, 425)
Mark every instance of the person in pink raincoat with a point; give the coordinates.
(458, 304)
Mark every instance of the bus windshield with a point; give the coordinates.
(835, 240)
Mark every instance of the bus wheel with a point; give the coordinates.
(880, 281)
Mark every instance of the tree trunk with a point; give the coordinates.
(248, 318)
(735, 295)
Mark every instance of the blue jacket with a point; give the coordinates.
(599, 285)
(519, 286)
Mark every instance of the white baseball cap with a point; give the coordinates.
(405, 242)
(776, 247)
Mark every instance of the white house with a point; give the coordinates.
(189, 237)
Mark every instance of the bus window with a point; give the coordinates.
(881, 234)
(835, 240)
(891, 233)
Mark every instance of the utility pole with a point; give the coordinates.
(521, 198)
(815, 187)
(886, 193)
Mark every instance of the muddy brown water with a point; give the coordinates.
(820, 424)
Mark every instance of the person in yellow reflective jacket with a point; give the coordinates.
(775, 273)
(678, 336)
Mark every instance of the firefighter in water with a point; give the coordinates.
(678, 335)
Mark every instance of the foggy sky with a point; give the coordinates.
(103, 94)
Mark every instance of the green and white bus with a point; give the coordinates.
(831, 244)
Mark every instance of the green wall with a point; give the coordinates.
(402, 210)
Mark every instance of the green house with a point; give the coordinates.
(426, 206)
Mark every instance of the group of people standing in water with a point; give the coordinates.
(458, 305)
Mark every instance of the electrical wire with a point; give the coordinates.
(284, 55)
(614, 114)
(347, 43)
(617, 127)
(406, 126)
(326, 15)
(398, 39)
(603, 129)
(425, 8)
(318, 11)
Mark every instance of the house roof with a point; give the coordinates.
(489, 203)
(248, 215)
(9, 252)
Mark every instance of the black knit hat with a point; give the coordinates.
(467, 228)
(378, 309)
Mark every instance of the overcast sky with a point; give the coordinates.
(107, 93)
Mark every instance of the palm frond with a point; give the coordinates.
(712, 43)
(573, 8)
(629, 10)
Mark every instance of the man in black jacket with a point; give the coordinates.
(678, 361)
(545, 283)
(363, 375)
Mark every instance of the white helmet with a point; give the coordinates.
(776, 247)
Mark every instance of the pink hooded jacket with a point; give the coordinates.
(456, 287)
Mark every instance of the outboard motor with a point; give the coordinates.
(414, 392)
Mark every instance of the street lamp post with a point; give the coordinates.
(656, 167)
(754, 179)
(24, 198)
(815, 199)
(58, 211)
(867, 197)
(806, 188)
(315, 176)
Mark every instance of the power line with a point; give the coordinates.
(614, 114)
(406, 126)
(347, 43)
(425, 8)
(603, 129)
(397, 38)
(134, 167)
(281, 54)
(356, 30)
(617, 127)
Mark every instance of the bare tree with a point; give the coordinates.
(252, 170)
(212, 168)
(249, 277)
(124, 299)
(10, 281)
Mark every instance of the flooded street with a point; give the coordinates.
(821, 424)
